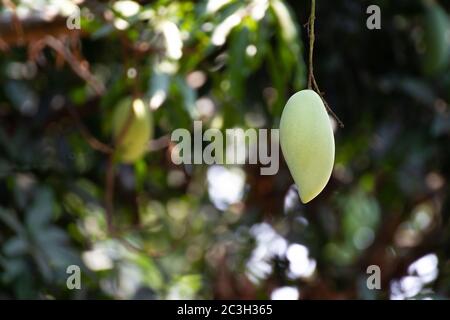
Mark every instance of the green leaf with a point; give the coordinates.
(158, 88)
(40, 212)
(188, 95)
(238, 70)
(11, 221)
(15, 247)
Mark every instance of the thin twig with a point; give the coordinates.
(91, 140)
(79, 68)
(111, 172)
(311, 42)
(110, 178)
(159, 143)
(311, 78)
(330, 111)
(98, 87)
(109, 195)
(17, 25)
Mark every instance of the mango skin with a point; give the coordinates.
(307, 143)
(134, 144)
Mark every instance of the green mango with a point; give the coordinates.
(134, 143)
(436, 39)
(307, 143)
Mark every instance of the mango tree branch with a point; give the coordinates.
(23, 32)
(77, 66)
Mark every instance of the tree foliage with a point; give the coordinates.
(155, 230)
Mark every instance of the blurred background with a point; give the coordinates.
(222, 232)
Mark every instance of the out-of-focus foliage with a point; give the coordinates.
(198, 231)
